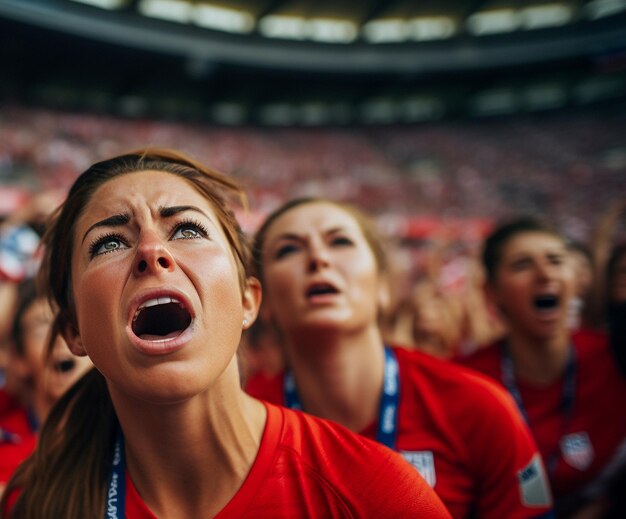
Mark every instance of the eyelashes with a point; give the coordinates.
(186, 229)
(103, 241)
(189, 224)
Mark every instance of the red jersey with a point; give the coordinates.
(17, 438)
(463, 434)
(586, 441)
(308, 467)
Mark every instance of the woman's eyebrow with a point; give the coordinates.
(166, 212)
(118, 220)
(112, 221)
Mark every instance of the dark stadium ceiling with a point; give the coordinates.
(342, 36)
(312, 62)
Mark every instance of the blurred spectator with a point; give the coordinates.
(609, 282)
(41, 373)
(582, 263)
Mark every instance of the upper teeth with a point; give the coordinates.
(153, 302)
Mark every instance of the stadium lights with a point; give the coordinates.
(549, 15)
(222, 18)
(498, 101)
(493, 22)
(431, 28)
(422, 108)
(380, 110)
(286, 27)
(387, 30)
(332, 31)
(278, 114)
(601, 8)
(299, 28)
(496, 21)
(547, 96)
(423, 28)
(104, 4)
(228, 113)
(596, 89)
(171, 10)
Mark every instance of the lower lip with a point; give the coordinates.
(322, 298)
(548, 314)
(163, 347)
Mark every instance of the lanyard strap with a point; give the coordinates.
(388, 414)
(116, 492)
(33, 422)
(568, 394)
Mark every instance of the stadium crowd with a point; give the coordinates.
(431, 241)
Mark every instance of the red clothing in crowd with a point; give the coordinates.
(586, 442)
(463, 434)
(17, 438)
(307, 467)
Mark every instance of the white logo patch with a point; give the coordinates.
(424, 462)
(577, 450)
(533, 484)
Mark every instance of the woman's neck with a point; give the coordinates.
(539, 363)
(189, 459)
(339, 376)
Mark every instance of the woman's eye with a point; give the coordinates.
(556, 260)
(106, 245)
(520, 265)
(285, 250)
(186, 233)
(189, 231)
(341, 240)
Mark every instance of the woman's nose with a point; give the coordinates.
(547, 271)
(318, 257)
(153, 256)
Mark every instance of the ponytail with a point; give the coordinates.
(66, 476)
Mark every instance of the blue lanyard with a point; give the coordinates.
(568, 394)
(33, 422)
(116, 491)
(388, 414)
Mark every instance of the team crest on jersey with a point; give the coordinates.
(424, 462)
(577, 450)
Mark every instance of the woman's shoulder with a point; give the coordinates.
(447, 376)
(366, 475)
(591, 343)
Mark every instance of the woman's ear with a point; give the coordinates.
(72, 338)
(251, 301)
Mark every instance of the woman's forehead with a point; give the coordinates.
(314, 216)
(533, 241)
(131, 191)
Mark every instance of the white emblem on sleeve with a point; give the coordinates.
(577, 450)
(533, 484)
(424, 462)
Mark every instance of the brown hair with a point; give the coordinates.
(66, 476)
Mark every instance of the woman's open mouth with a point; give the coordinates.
(546, 302)
(159, 324)
(160, 319)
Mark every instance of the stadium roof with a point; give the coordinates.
(313, 62)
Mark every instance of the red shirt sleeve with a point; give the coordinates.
(512, 474)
